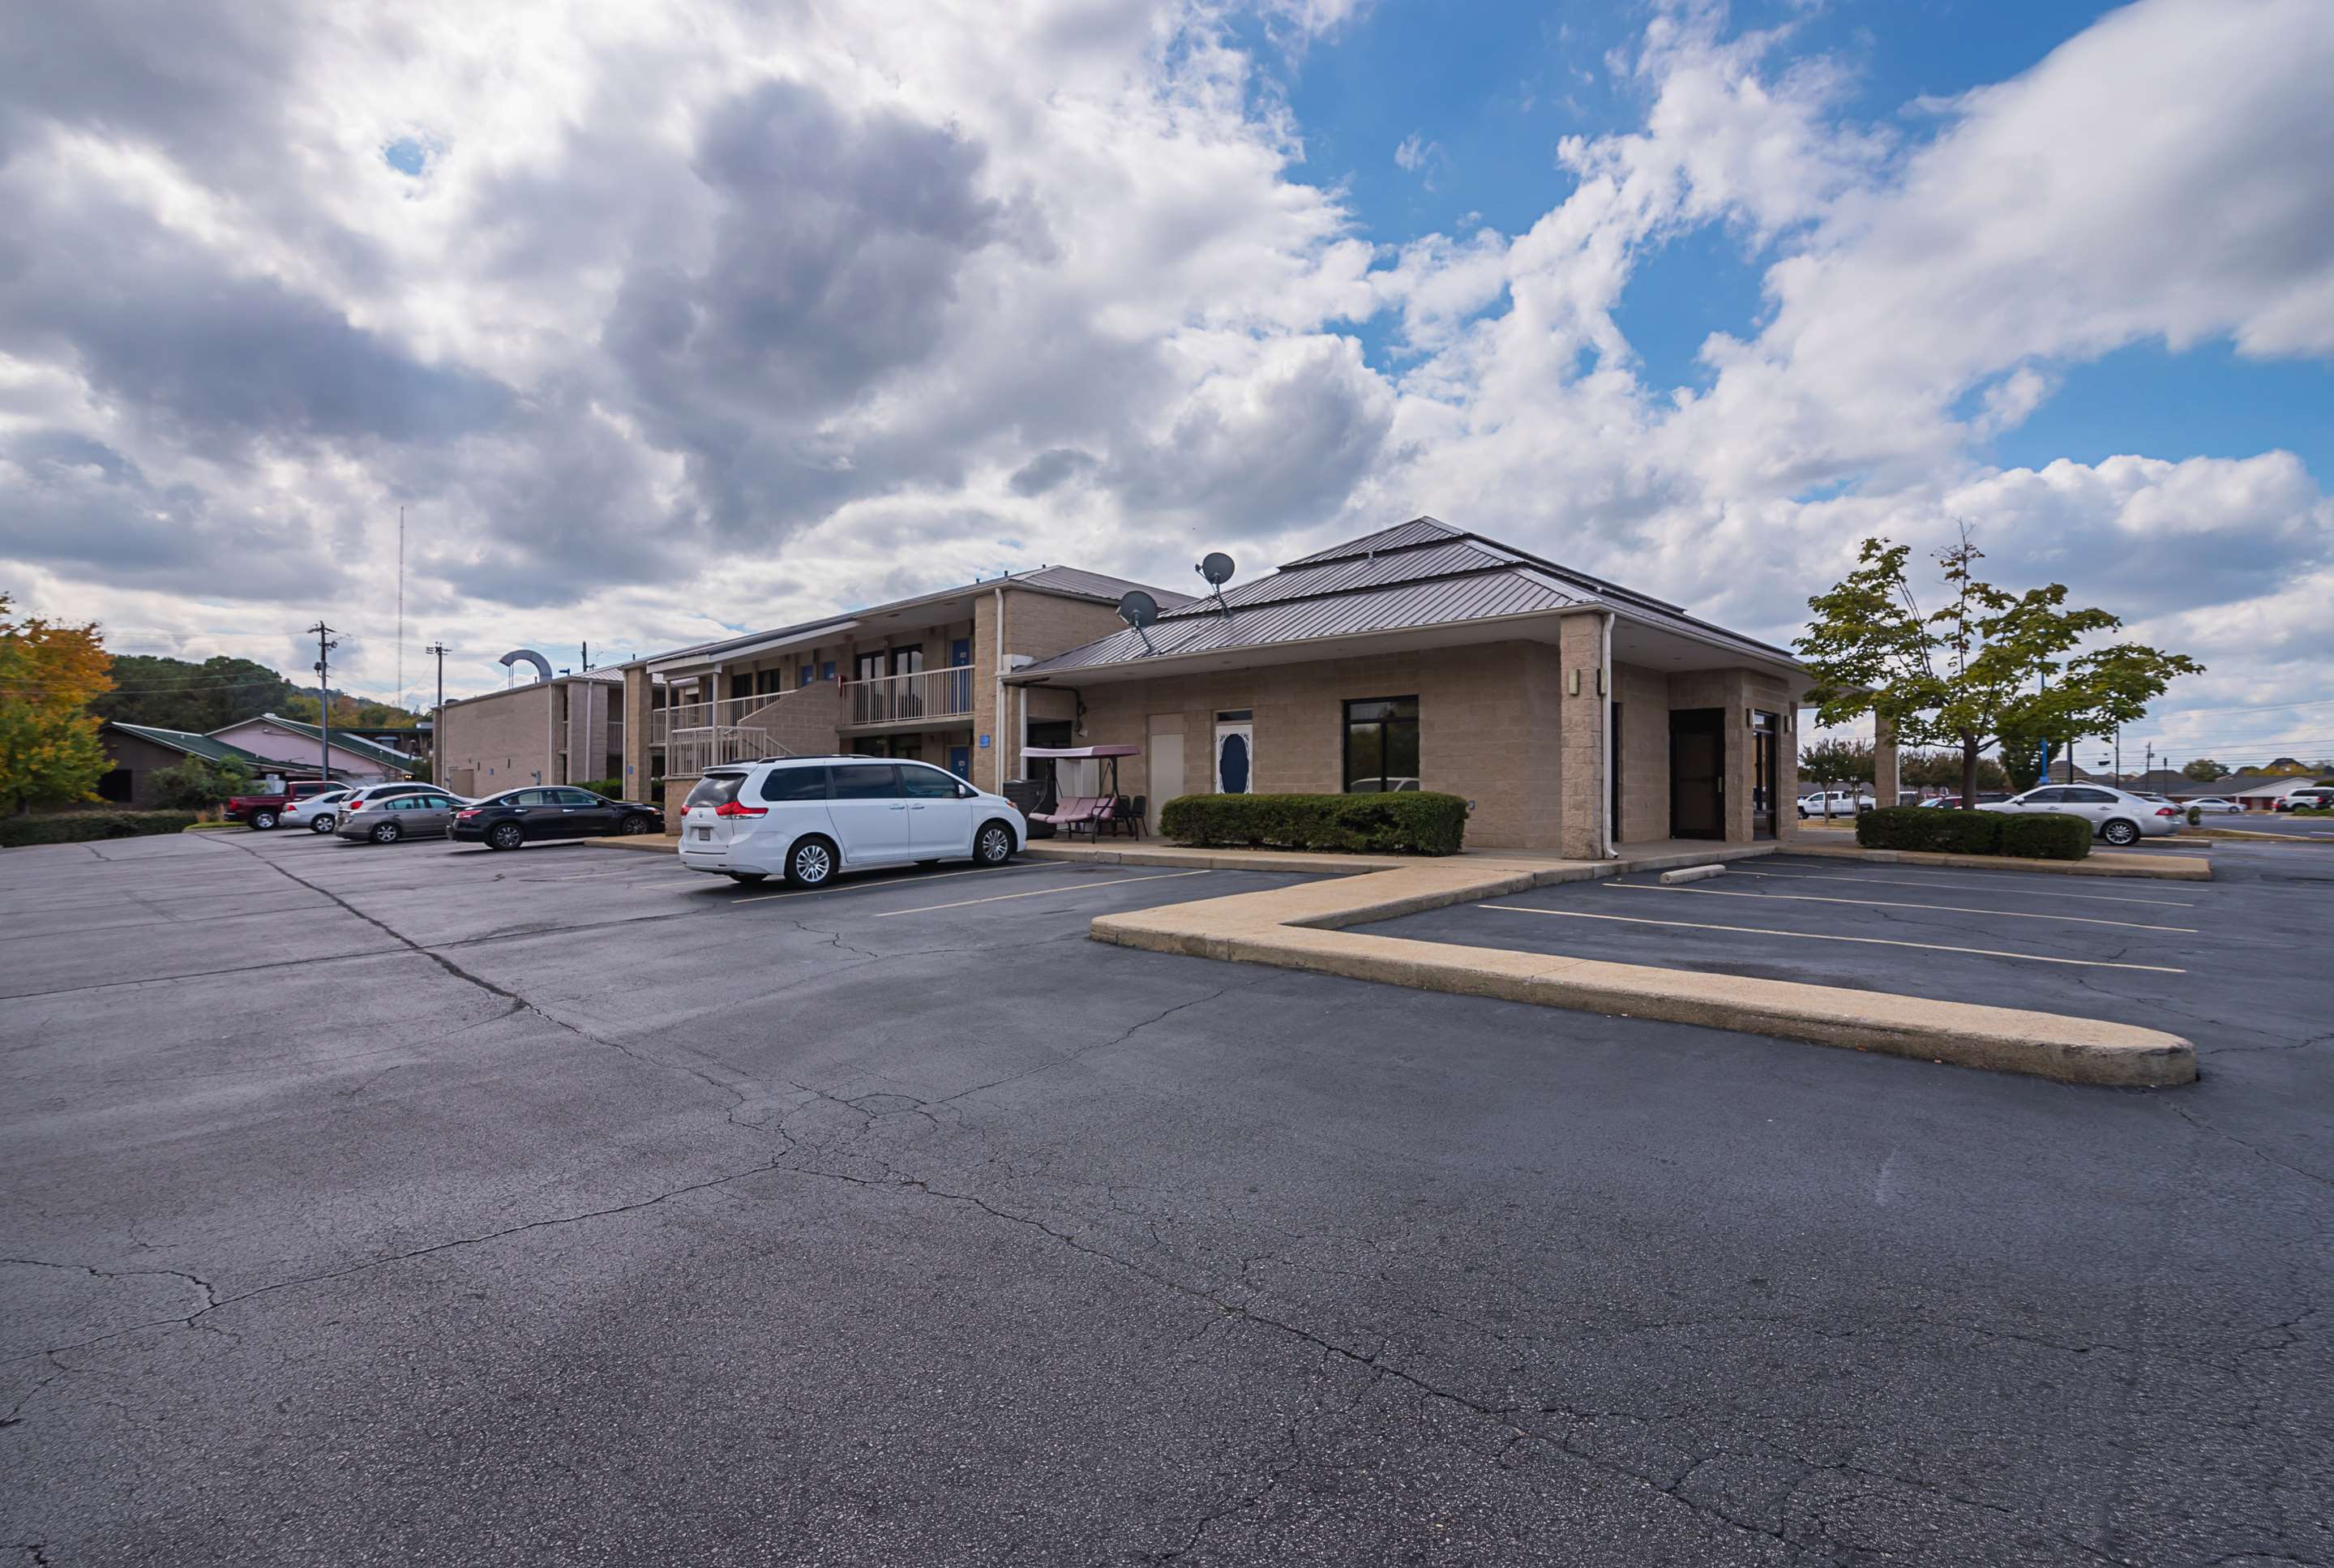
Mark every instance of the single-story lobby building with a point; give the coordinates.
(1576, 715)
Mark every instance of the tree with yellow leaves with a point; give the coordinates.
(49, 749)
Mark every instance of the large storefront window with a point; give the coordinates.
(1381, 745)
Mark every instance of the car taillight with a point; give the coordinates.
(731, 808)
(464, 816)
(2166, 811)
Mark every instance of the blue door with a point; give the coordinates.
(1232, 759)
(960, 683)
(960, 762)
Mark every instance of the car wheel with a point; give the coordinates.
(384, 832)
(506, 836)
(320, 824)
(261, 821)
(993, 846)
(811, 863)
(2120, 833)
(636, 822)
(748, 877)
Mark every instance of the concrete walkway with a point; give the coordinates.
(1305, 927)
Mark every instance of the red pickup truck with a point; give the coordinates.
(264, 811)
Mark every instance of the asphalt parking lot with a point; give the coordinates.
(2212, 961)
(421, 1204)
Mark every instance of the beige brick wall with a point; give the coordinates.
(1580, 738)
(497, 741)
(1645, 698)
(1483, 729)
(1038, 625)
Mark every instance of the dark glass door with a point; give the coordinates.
(1765, 736)
(1697, 773)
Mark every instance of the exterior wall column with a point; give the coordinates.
(1580, 738)
(1883, 762)
(635, 781)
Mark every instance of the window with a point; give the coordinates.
(1381, 745)
(2087, 797)
(871, 667)
(715, 789)
(922, 783)
(574, 798)
(532, 798)
(2044, 798)
(795, 784)
(1240, 715)
(865, 782)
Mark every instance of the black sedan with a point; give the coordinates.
(540, 814)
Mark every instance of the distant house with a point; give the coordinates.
(295, 745)
(138, 752)
(2262, 791)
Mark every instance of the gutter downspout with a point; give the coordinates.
(1612, 750)
(997, 741)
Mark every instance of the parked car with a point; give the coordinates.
(369, 797)
(317, 813)
(2117, 816)
(1843, 804)
(2216, 805)
(544, 812)
(423, 813)
(264, 811)
(808, 818)
(2318, 797)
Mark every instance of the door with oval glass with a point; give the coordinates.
(1235, 751)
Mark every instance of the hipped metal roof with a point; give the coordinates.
(1416, 575)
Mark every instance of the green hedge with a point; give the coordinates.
(614, 788)
(2043, 835)
(76, 826)
(1404, 822)
(2046, 836)
(1933, 829)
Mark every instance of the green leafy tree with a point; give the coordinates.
(1831, 763)
(197, 784)
(50, 671)
(2204, 769)
(177, 694)
(1943, 771)
(1989, 664)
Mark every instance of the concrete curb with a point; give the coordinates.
(1998, 1038)
(663, 843)
(1305, 927)
(2101, 863)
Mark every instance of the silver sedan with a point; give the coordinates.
(421, 815)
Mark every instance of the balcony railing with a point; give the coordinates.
(696, 736)
(913, 699)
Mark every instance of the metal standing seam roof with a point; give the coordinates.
(1070, 580)
(190, 743)
(1402, 606)
(1417, 574)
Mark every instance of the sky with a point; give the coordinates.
(665, 320)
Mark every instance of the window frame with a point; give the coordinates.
(1384, 725)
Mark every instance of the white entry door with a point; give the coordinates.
(1166, 761)
(1235, 757)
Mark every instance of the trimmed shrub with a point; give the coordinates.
(1404, 822)
(1937, 832)
(2046, 836)
(76, 826)
(2195, 817)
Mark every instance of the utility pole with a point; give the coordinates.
(325, 643)
(401, 607)
(437, 715)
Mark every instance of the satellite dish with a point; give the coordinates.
(1138, 610)
(1216, 567)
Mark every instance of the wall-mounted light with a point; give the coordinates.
(1575, 689)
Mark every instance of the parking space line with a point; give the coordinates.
(1939, 882)
(895, 882)
(1041, 892)
(1887, 903)
(1816, 936)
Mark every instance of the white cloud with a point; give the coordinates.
(694, 307)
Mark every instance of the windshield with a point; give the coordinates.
(716, 790)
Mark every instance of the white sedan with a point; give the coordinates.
(2215, 806)
(2117, 816)
(317, 813)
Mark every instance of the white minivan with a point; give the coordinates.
(806, 819)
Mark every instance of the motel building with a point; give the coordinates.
(1578, 717)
